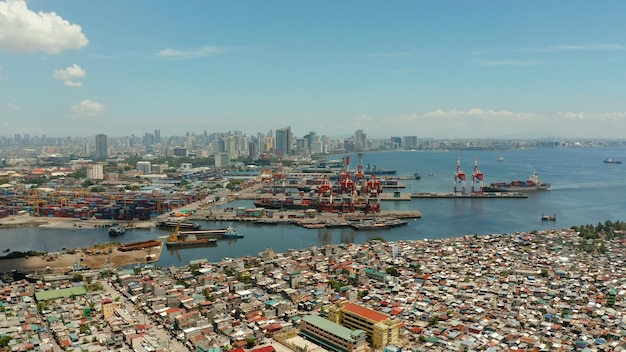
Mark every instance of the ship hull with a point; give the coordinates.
(543, 187)
(139, 245)
(191, 243)
(182, 225)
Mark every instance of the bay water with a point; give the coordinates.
(584, 191)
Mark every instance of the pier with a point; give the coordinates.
(487, 195)
(313, 220)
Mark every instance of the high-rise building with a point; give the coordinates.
(396, 142)
(283, 141)
(102, 151)
(359, 140)
(410, 142)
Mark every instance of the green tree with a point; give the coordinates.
(4, 341)
(434, 320)
(250, 342)
(336, 285)
(392, 271)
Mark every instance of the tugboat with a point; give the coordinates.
(232, 233)
(417, 175)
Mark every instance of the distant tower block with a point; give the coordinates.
(459, 176)
(477, 178)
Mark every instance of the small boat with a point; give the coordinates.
(611, 161)
(117, 231)
(548, 217)
(314, 225)
(500, 159)
(232, 233)
(7, 250)
(417, 176)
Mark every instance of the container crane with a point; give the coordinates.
(459, 176)
(477, 178)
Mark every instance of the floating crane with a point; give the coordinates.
(459, 176)
(477, 178)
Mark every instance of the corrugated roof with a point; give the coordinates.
(364, 312)
(64, 292)
(329, 326)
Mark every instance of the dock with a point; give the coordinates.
(317, 220)
(487, 195)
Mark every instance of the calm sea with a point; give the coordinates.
(584, 191)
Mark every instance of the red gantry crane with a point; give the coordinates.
(477, 178)
(459, 176)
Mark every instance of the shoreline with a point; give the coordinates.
(94, 257)
(26, 220)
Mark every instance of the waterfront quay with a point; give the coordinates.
(308, 218)
(503, 292)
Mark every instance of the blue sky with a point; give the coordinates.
(500, 69)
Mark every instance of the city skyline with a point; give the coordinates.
(460, 69)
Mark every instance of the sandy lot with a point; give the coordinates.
(95, 257)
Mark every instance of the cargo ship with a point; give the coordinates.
(139, 245)
(378, 171)
(611, 161)
(177, 240)
(171, 224)
(532, 184)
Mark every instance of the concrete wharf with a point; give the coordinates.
(306, 218)
(487, 195)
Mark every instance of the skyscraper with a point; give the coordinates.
(283, 141)
(359, 140)
(101, 147)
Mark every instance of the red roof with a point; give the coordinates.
(364, 312)
(396, 310)
(264, 349)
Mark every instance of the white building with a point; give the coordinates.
(95, 172)
(222, 159)
(145, 167)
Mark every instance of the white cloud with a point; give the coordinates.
(190, 54)
(70, 75)
(87, 108)
(507, 63)
(12, 106)
(479, 123)
(585, 47)
(397, 54)
(22, 30)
